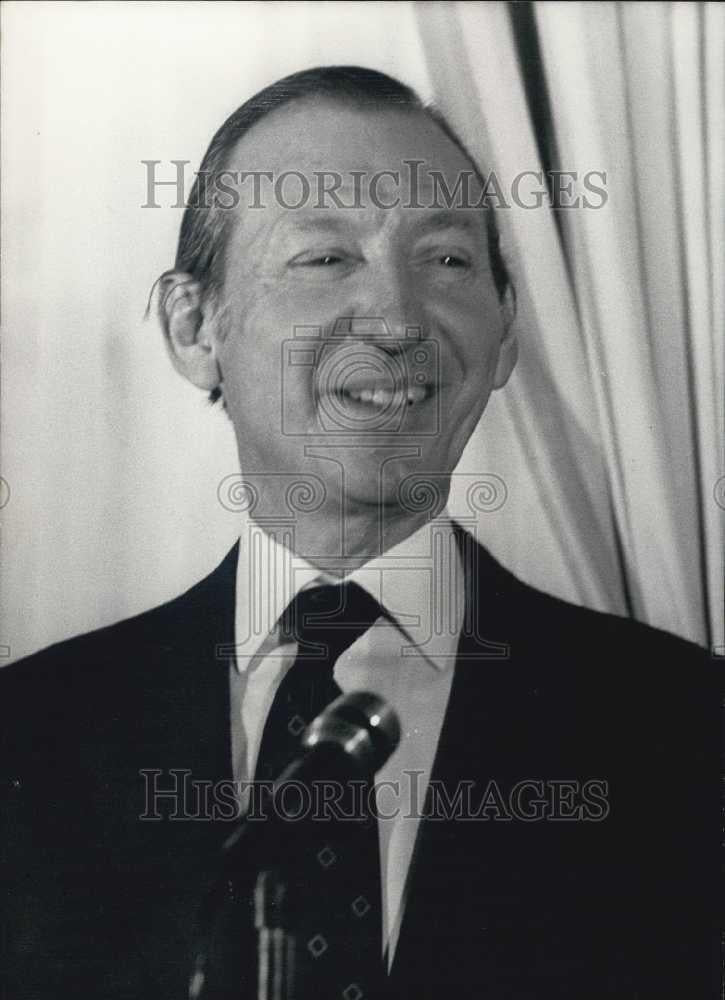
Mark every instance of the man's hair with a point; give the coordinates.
(205, 229)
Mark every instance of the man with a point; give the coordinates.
(562, 842)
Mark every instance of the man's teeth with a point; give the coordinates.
(385, 397)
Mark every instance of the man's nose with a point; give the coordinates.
(386, 306)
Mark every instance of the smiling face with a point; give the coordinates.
(359, 344)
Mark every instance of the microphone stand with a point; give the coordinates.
(275, 940)
(352, 738)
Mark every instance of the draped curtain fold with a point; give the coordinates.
(617, 404)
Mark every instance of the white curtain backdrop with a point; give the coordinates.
(602, 455)
(618, 405)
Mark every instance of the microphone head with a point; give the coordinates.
(362, 725)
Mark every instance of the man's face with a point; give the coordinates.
(359, 344)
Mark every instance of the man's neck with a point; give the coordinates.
(340, 545)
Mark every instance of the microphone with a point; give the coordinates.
(350, 740)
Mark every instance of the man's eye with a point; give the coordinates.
(452, 260)
(323, 260)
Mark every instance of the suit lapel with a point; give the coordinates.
(450, 864)
(199, 661)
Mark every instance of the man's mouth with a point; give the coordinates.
(374, 407)
(360, 387)
(384, 397)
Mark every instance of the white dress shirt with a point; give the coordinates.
(409, 664)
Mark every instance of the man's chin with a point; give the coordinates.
(395, 487)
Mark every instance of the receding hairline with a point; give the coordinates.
(226, 221)
(346, 102)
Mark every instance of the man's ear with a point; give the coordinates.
(188, 329)
(509, 347)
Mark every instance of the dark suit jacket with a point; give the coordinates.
(102, 904)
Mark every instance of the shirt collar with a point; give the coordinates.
(419, 581)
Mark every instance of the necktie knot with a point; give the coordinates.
(326, 620)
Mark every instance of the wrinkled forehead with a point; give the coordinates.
(325, 154)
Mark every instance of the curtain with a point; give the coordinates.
(617, 406)
(595, 473)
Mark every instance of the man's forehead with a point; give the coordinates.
(333, 220)
(317, 136)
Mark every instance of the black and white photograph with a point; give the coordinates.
(361, 500)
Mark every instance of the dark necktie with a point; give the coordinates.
(335, 884)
